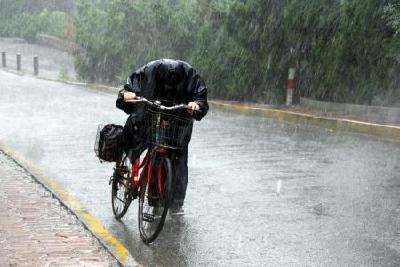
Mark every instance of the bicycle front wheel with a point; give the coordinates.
(154, 199)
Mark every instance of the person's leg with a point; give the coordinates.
(181, 179)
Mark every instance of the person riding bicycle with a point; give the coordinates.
(172, 82)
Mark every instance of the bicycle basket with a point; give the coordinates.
(167, 130)
(108, 142)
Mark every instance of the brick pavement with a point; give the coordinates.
(36, 230)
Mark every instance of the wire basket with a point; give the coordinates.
(167, 130)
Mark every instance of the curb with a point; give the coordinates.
(387, 131)
(91, 223)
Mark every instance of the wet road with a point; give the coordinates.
(260, 192)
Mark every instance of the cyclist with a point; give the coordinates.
(170, 81)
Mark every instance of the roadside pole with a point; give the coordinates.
(290, 86)
(3, 59)
(18, 61)
(36, 65)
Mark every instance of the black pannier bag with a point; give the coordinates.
(108, 143)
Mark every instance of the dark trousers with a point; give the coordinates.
(134, 138)
(181, 177)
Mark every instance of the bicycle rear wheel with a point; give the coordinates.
(120, 188)
(154, 199)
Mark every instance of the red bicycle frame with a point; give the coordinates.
(137, 165)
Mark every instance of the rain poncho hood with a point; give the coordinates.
(169, 80)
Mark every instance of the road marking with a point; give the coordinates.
(109, 241)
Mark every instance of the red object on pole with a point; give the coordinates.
(290, 84)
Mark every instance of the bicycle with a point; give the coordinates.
(150, 177)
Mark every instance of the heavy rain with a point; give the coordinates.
(296, 163)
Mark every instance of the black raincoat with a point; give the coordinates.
(171, 81)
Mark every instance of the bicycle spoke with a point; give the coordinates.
(121, 200)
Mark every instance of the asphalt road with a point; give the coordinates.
(260, 192)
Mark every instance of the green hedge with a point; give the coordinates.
(345, 50)
(17, 21)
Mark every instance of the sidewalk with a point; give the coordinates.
(36, 230)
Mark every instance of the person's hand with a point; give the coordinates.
(129, 96)
(193, 106)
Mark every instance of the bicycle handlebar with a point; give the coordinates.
(157, 104)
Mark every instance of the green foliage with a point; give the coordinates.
(17, 21)
(339, 46)
(345, 51)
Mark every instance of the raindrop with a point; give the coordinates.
(278, 186)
